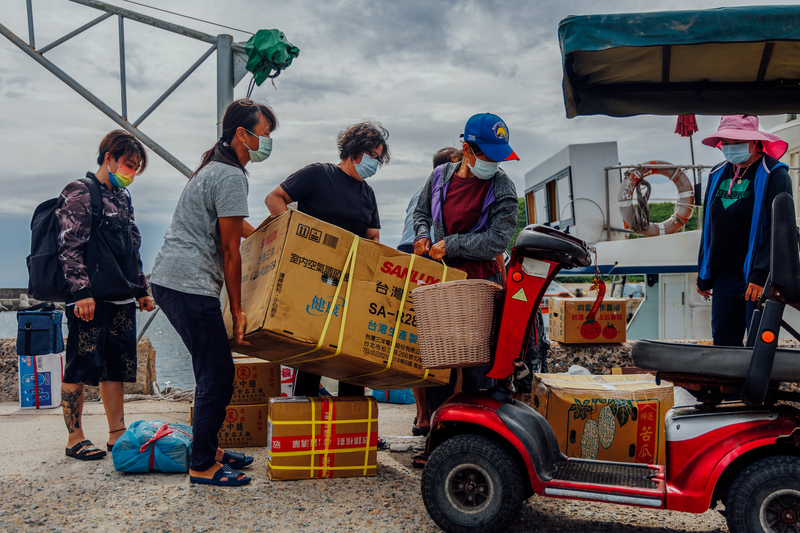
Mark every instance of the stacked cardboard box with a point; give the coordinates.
(570, 323)
(300, 314)
(255, 382)
(610, 418)
(322, 437)
(245, 426)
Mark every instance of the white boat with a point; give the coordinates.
(576, 189)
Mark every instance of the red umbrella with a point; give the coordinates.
(687, 125)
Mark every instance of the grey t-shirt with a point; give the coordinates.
(191, 258)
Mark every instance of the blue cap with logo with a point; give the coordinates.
(490, 133)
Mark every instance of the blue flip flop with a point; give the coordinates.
(226, 472)
(236, 460)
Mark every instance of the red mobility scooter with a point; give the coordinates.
(738, 445)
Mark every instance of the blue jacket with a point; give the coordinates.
(769, 182)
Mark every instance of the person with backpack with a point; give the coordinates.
(200, 252)
(98, 251)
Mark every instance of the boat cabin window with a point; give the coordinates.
(550, 201)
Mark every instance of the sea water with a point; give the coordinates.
(173, 362)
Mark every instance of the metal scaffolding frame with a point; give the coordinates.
(231, 60)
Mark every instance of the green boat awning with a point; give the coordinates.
(713, 62)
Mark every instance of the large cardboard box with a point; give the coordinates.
(245, 426)
(610, 418)
(40, 379)
(291, 269)
(256, 381)
(322, 437)
(569, 322)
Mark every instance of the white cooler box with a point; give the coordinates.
(40, 379)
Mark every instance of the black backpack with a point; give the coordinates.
(45, 276)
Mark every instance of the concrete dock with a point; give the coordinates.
(43, 490)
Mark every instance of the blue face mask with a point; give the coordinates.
(736, 154)
(367, 168)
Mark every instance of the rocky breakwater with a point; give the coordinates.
(597, 358)
(9, 365)
(602, 358)
(11, 300)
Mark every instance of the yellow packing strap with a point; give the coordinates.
(318, 452)
(353, 421)
(396, 325)
(369, 434)
(331, 411)
(274, 467)
(427, 371)
(313, 434)
(349, 267)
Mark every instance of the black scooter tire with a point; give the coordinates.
(765, 497)
(492, 478)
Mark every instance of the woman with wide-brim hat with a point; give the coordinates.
(735, 246)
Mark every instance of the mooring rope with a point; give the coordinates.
(640, 219)
(169, 394)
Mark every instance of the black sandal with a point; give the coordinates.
(85, 451)
(418, 431)
(419, 461)
(110, 447)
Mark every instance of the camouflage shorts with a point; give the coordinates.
(104, 348)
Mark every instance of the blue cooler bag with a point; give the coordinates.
(39, 330)
(153, 445)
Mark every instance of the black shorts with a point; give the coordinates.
(104, 348)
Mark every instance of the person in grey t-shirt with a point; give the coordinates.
(200, 252)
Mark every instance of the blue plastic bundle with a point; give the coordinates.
(393, 396)
(154, 445)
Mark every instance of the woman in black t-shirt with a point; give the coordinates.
(735, 248)
(337, 194)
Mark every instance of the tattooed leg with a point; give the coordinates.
(72, 405)
(113, 393)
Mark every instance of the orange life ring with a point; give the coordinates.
(684, 207)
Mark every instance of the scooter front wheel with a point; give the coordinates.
(472, 484)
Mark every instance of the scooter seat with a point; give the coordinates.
(712, 361)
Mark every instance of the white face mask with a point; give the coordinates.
(484, 170)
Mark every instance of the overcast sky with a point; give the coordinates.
(421, 68)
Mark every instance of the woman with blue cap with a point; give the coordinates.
(472, 204)
(735, 247)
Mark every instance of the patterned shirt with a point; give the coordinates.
(74, 213)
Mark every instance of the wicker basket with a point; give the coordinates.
(454, 322)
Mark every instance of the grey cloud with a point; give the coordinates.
(310, 86)
(421, 68)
